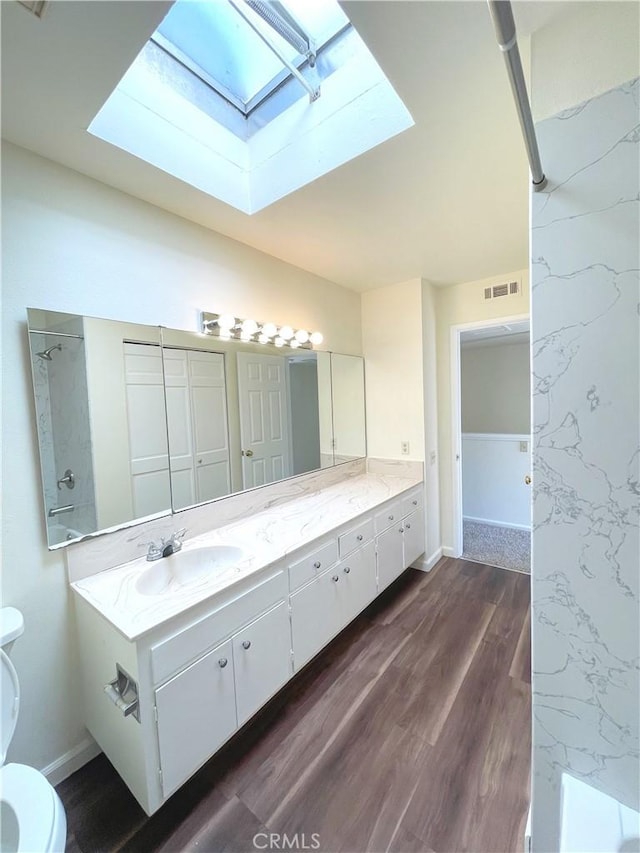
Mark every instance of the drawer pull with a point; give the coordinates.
(415, 503)
(359, 537)
(317, 564)
(391, 517)
(246, 644)
(401, 530)
(222, 663)
(346, 570)
(407, 527)
(335, 578)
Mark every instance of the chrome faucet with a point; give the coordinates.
(167, 547)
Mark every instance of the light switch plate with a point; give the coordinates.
(524, 446)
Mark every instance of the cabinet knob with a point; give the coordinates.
(223, 662)
(335, 578)
(346, 570)
(391, 517)
(317, 564)
(407, 527)
(401, 530)
(199, 461)
(359, 537)
(246, 644)
(415, 503)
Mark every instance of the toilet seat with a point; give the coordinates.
(37, 808)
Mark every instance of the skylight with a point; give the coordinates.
(249, 100)
(226, 43)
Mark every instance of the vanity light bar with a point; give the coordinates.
(230, 328)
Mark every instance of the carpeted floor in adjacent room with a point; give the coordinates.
(497, 546)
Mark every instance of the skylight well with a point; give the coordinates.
(248, 100)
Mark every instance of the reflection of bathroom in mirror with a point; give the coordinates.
(242, 415)
(100, 411)
(134, 421)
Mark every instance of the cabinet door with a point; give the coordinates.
(414, 543)
(315, 615)
(196, 714)
(389, 555)
(262, 660)
(357, 587)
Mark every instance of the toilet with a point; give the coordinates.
(32, 818)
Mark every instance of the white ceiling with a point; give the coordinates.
(447, 200)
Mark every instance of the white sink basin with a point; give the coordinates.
(187, 566)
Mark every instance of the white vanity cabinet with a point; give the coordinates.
(401, 537)
(196, 713)
(200, 675)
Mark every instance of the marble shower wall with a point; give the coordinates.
(586, 510)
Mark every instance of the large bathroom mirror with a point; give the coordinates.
(242, 415)
(102, 428)
(135, 421)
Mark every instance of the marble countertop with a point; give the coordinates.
(266, 537)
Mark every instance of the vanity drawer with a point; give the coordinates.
(172, 654)
(391, 514)
(355, 537)
(312, 564)
(412, 503)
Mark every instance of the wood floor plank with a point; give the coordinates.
(410, 731)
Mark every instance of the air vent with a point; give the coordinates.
(511, 288)
(36, 7)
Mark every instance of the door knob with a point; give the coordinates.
(247, 452)
(527, 480)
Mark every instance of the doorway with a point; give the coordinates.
(492, 442)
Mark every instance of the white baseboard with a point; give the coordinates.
(425, 564)
(495, 523)
(447, 551)
(71, 761)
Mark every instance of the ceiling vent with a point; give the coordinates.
(511, 288)
(36, 7)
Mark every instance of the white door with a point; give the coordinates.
(315, 615)
(262, 660)
(264, 430)
(358, 585)
(390, 555)
(414, 540)
(197, 419)
(148, 451)
(183, 481)
(196, 714)
(209, 422)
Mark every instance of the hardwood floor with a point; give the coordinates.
(410, 732)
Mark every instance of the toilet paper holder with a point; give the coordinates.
(123, 692)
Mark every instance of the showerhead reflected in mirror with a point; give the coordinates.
(99, 398)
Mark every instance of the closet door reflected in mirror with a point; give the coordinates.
(100, 409)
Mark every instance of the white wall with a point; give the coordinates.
(586, 51)
(464, 303)
(430, 393)
(495, 388)
(73, 244)
(392, 347)
(585, 598)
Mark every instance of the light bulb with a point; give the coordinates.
(302, 336)
(263, 339)
(225, 334)
(245, 336)
(226, 321)
(286, 333)
(270, 330)
(279, 342)
(316, 338)
(249, 327)
(294, 344)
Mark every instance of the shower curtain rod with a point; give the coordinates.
(57, 334)
(505, 27)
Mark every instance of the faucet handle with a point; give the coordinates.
(179, 534)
